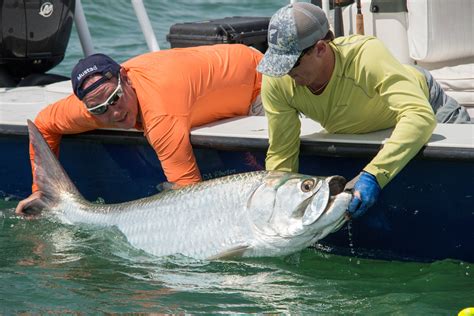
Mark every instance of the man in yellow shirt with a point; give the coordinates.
(349, 85)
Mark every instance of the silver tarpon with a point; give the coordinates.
(256, 214)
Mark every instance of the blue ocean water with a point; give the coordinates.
(49, 267)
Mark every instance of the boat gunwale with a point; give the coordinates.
(324, 147)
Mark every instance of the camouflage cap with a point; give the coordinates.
(292, 29)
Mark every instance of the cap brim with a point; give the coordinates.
(276, 65)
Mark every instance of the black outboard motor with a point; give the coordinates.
(33, 38)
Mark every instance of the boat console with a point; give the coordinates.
(33, 42)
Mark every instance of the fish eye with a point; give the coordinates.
(307, 185)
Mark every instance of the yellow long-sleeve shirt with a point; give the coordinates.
(369, 90)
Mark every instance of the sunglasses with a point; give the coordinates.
(298, 61)
(111, 100)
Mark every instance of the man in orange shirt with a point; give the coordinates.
(163, 93)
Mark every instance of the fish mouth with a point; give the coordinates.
(333, 218)
(334, 215)
(322, 203)
(340, 222)
(337, 185)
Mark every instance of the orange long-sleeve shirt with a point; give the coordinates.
(177, 89)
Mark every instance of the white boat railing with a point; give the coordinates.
(83, 30)
(145, 24)
(85, 35)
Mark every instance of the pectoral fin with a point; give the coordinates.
(233, 252)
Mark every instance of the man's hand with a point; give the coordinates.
(25, 204)
(366, 192)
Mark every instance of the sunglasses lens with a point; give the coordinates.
(298, 61)
(114, 99)
(100, 110)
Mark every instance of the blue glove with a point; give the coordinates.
(366, 192)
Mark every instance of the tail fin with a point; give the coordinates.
(48, 173)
